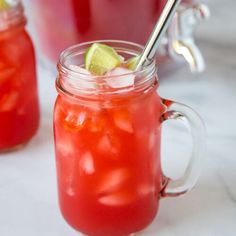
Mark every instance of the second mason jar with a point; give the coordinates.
(19, 107)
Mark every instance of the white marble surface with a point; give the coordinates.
(28, 197)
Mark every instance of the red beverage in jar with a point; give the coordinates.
(19, 109)
(104, 186)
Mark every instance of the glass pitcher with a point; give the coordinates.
(77, 21)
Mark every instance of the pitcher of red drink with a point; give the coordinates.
(107, 143)
(77, 21)
(19, 107)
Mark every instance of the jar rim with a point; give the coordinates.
(67, 52)
(66, 72)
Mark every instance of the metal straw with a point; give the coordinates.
(158, 32)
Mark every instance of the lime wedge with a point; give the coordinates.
(4, 5)
(132, 63)
(101, 58)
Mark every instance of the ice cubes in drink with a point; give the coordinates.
(109, 143)
(111, 189)
(80, 78)
(145, 189)
(123, 120)
(112, 181)
(64, 145)
(83, 72)
(96, 122)
(117, 199)
(75, 120)
(71, 191)
(120, 77)
(86, 163)
(8, 101)
(117, 195)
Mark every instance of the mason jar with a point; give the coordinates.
(107, 133)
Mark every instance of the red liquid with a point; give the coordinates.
(19, 111)
(77, 21)
(108, 163)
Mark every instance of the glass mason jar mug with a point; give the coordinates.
(107, 143)
(19, 107)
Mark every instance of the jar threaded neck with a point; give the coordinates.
(73, 83)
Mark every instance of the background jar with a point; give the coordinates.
(19, 106)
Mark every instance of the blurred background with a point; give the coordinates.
(28, 197)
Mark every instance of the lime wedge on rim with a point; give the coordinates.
(101, 58)
(132, 63)
(4, 5)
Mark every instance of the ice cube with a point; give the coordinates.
(86, 163)
(120, 77)
(123, 121)
(80, 70)
(109, 144)
(145, 189)
(64, 146)
(71, 191)
(80, 78)
(66, 164)
(9, 101)
(96, 122)
(75, 120)
(117, 199)
(112, 181)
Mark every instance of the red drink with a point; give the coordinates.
(19, 111)
(107, 145)
(108, 165)
(104, 186)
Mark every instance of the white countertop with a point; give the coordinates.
(28, 195)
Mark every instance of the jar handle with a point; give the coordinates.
(177, 111)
